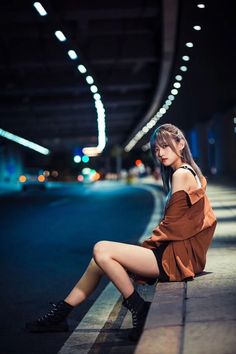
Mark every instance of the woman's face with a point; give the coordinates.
(167, 156)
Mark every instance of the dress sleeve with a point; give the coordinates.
(176, 224)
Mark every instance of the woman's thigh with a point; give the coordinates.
(135, 259)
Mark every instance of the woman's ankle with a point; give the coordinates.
(67, 303)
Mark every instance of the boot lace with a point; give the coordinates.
(134, 318)
(51, 314)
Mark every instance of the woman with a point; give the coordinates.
(175, 251)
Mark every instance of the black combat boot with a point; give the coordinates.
(139, 310)
(53, 321)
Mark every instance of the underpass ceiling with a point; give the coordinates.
(44, 98)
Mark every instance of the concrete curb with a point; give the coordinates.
(165, 321)
(199, 316)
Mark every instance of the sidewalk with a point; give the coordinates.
(198, 317)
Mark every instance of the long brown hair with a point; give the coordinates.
(165, 134)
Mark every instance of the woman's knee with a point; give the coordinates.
(100, 251)
(93, 267)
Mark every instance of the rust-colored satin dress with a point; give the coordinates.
(188, 227)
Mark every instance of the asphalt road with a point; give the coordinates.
(46, 242)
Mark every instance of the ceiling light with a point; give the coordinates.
(189, 44)
(174, 92)
(90, 151)
(183, 68)
(24, 142)
(171, 97)
(168, 102)
(177, 84)
(156, 117)
(201, 6)
(178, 77)
(163, 110)
(99, 106)
(166, 106)
(39, 7)
(140, 134)
(145, 129)
(60, 36)
(82, 69)
(197, 28)
(151, 124)
(96, 96)
(72, 54)
(93, 89)
(128, 147)
(185, 58)
(89, 80)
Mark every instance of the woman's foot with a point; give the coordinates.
(139, 310)
(53, 321)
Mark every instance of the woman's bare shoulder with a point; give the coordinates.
(182, 179)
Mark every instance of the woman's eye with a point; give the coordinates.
(162, 147)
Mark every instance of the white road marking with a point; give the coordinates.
(83, 337)
(85, 334)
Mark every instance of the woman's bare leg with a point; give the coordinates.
(113, 259)
(116, 258)
(86, 285)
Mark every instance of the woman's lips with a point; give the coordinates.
(163, 160)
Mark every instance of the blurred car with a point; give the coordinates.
(33, 179)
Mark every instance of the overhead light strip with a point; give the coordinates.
(60, 36)
(171, 97)
(72, 54)
(101, 123)
(29, 144)
(39, 7)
